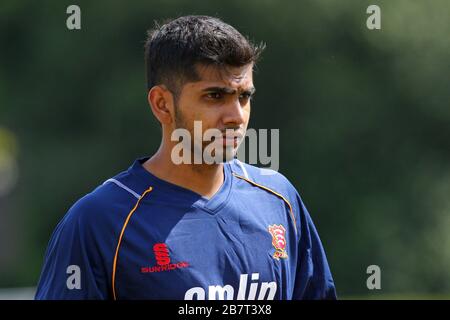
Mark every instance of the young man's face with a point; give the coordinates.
(220, 100)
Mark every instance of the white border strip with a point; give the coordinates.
(120, 184)
(243, 168)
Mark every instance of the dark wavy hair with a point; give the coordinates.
(175, 48)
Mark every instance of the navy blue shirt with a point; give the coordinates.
(139, 237)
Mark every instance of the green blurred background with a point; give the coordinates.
(364, 121)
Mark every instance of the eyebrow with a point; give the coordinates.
(228, 90)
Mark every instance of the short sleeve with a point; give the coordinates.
(73, 267)
(313, 276)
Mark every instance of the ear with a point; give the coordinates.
(161, 102)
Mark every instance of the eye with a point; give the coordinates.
(245, 96)
(214, 95)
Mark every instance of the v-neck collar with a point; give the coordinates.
(211, 205)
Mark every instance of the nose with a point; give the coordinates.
(234, 113)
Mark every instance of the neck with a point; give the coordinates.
(203, 179)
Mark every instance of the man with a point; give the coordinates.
(166, 229)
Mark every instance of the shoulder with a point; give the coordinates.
(272, 183)
(104, 207)
(265, 177)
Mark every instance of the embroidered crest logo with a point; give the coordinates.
(278, 233)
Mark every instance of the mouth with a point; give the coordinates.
(228, 140)
(232, 139)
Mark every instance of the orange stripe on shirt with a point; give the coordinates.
(275, 193)
(113, 283)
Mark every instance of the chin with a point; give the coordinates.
(228, 154)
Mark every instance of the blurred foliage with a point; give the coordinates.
(363, 117)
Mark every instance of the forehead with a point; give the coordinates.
(235, 77)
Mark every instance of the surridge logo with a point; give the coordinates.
(162, 256)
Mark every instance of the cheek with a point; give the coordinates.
(188, 113)
(247, 109)
(209, 116)
(246, 112)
